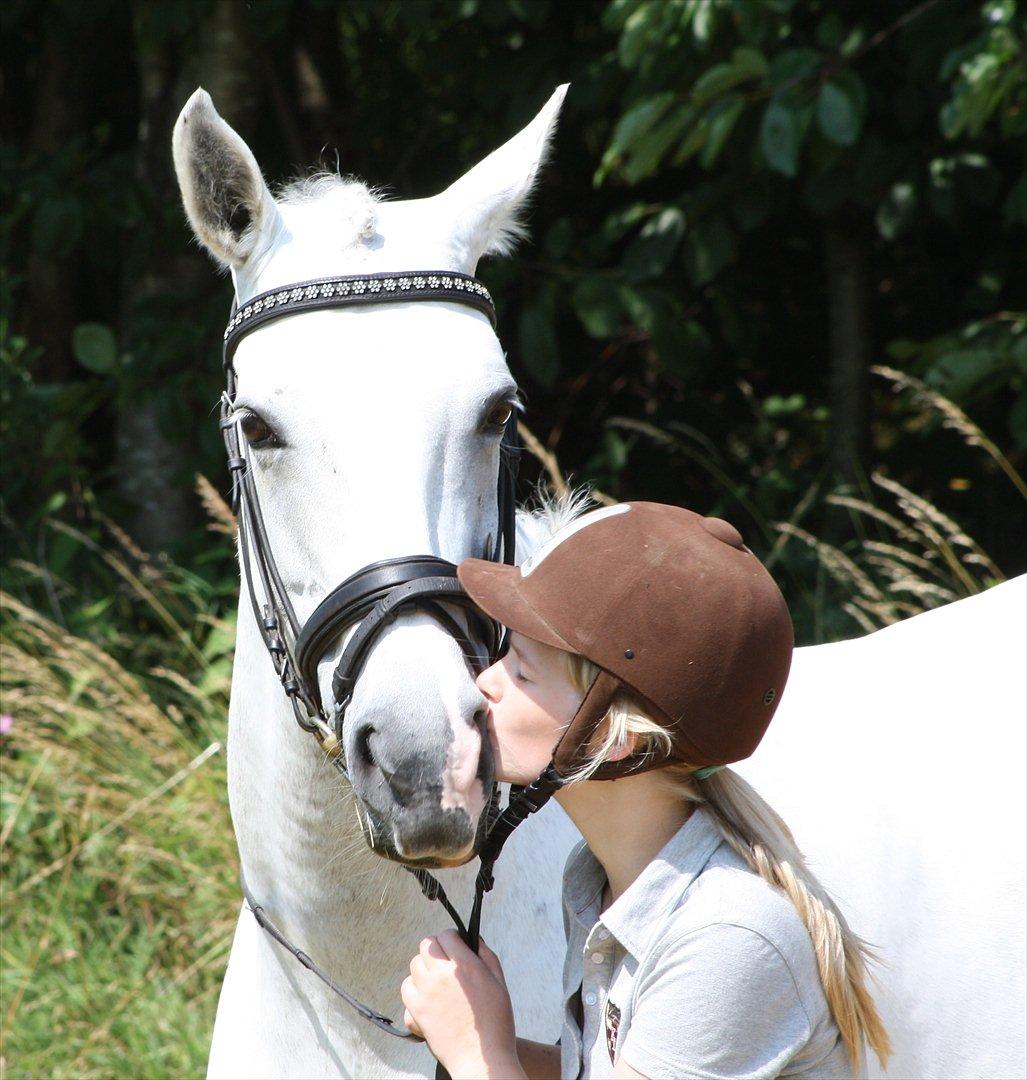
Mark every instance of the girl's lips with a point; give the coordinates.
(490, 731)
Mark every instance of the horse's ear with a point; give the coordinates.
(489, 200)
(226, 200)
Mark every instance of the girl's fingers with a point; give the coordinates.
(411, 1024)
(452, 945)
(432, 948)
(491, 961)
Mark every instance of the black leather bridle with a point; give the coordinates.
(376, 594)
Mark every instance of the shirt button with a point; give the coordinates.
(590, 999)
(603, 934)
(597, 958)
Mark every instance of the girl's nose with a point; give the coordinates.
(488, 682)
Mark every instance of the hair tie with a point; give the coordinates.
(702, 774)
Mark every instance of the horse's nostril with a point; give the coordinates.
(363, 746)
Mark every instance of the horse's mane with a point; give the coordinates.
(547, 515)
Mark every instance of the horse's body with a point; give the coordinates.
(897, 759)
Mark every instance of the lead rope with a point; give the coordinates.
(523, 802)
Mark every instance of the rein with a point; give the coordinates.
(375, 595)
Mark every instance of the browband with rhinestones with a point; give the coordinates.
(357, 289)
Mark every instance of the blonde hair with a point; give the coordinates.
(758, 835)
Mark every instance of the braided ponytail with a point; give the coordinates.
(757, 834)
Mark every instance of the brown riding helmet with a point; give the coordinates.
(665, 602)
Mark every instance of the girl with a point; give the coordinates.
(650, 647)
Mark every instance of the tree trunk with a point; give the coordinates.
(153, 467)
(848, 250)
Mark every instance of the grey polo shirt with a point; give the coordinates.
(700, 969)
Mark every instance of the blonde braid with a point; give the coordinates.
(758, 835)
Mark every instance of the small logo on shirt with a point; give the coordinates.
(612, 1024)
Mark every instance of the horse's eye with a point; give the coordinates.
(500, 414)
(257, 430)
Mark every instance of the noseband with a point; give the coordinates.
(372, 598)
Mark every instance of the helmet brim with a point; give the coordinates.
(497, 589)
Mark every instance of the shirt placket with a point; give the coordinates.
(597, 970)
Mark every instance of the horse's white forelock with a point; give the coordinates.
(344, 197)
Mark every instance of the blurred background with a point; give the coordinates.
(776, 274)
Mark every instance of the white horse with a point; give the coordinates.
(373, 434)
(897, 759)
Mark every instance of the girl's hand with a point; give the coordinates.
(459, 1003)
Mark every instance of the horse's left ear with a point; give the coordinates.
(488, 201)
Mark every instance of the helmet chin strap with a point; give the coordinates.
(571, 752)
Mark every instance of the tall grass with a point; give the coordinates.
(908, 555)
(913, 556)
(119, 863)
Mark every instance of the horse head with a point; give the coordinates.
(373, 433)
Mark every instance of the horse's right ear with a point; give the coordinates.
(226, 200)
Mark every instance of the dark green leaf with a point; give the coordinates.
(746, 64)
(649, 254)
(750, 62)
(650, 151)
(780, 139)
(793, 65)
(837, 115)
(709, 247)
(722, 119)
(95, 347)
(596, 302)
(714, 81)
(957, 373)
(632, 127)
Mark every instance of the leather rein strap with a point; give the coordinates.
(372, 597)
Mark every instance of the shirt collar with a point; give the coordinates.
(638, 912)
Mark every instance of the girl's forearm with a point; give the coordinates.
(540, 1061)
